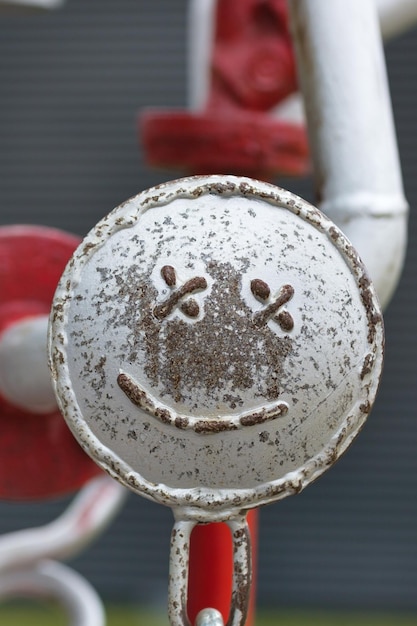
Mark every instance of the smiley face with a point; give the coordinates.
(216, 342)
(213, 347)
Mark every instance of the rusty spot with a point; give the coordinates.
(285, 321)
(334, 233)
(181, 422)
(260, 417)
(365, 407)
(368, 365)
(373, 316)
(133, 392)
(169, 275)
(163, 310)
(164, 415)
(206, 427)
(87, 247)
(182, 357)
(190, 308)
(260, 289)
(222, 188)
(261, 318)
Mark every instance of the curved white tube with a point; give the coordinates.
(343, 78)
(396, 16)
(352, 137)
(25, 569)
(25, 380)
(49, 579)
(32, 4)
(200, 32)
(87, 515)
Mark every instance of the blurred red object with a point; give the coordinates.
(39, 457)
(252, 70)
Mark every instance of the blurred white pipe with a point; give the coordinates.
(25, 568)
(396, 16)
(32, 4)
(53, 580)
(25, 380)
(85, 518)
(200, 33)
(343, 78)
(352, 137)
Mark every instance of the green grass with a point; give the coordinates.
(48, 615)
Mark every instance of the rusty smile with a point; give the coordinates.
(140, 398)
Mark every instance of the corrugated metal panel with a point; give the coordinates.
(72, 83)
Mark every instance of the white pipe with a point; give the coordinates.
(200, 32)
(343, 78)
(49, 579)
(88, 514)
(25, 380)
(32, 4)
(352, 137)
(396, 16)
(25, 568)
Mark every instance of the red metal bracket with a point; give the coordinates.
(252, 70)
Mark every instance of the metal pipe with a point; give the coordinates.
(356, 162)
(32, 4)
(179, 572)
(49, 579)
(25, 568)
(25, 380)
(396, 16)
(352, 137)
(87, 515)
(200, 32)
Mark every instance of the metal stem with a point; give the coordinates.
(178, 576)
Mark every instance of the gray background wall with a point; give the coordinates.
(71, 85)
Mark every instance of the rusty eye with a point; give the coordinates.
(178, 295)
(262, 293)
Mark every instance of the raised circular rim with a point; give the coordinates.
(203, 502)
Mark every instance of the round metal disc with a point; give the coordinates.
(216, 343)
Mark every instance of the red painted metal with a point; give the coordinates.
(252, 71)
(39, 458)
(240, 142)
(211, 569)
